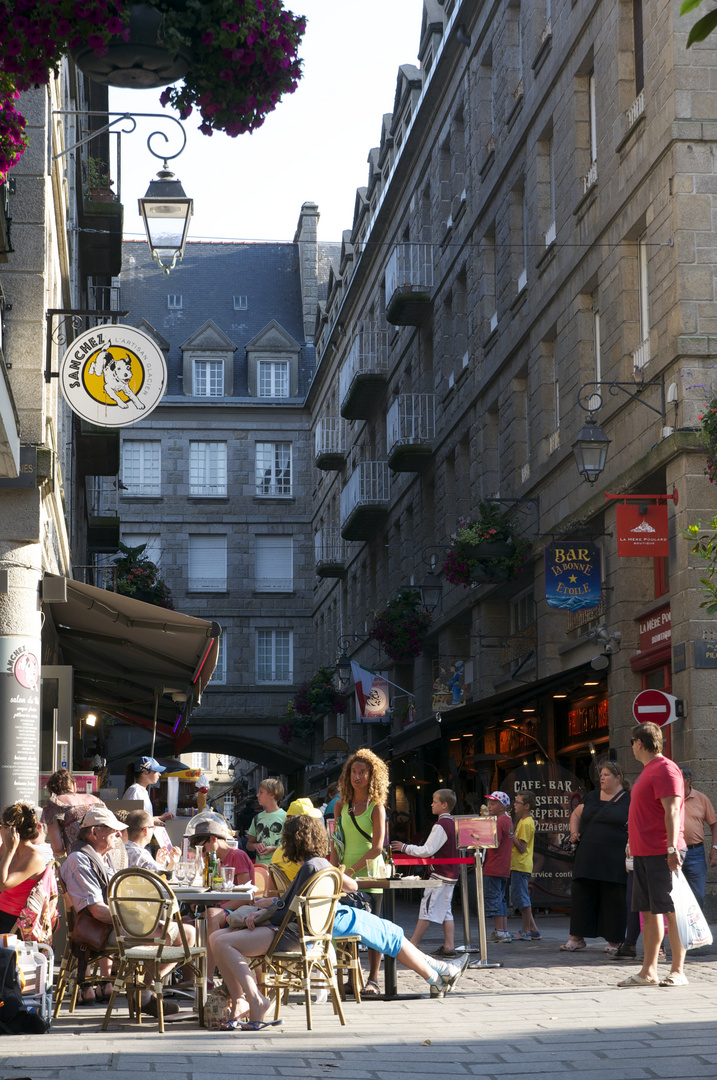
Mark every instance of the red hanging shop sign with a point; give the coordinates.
(642, 527)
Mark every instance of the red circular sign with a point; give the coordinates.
(653, 706)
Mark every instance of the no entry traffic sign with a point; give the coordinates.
(656, 707)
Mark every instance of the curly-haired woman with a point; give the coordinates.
(361, 810)
(63, 813)
(21, 864)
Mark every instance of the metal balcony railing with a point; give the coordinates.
(641, 355)
(330, 439)
(410, 420)
(102, 577)
(409, 266)
(329, 547)
(368, 486)
(636, 110)
(365, 365)
(102, 496)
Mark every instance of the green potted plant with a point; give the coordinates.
(137, 576)
(486, 548)
(316, 697)
(98, 186)
(708, 422)
(401, 626)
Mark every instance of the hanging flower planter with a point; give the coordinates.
(315, 698)
(401, 626)
(237, 57)
(486, 549)
(141, 58)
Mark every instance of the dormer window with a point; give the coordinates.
(273, 378)
(209, 378)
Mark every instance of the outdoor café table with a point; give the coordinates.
(202, 898)
(391, 887)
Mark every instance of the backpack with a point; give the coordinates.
(38, 918)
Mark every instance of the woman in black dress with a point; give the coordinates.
(599, 875)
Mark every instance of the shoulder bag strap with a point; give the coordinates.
(362, 831)
(602, 806)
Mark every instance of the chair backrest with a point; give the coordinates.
(38, 918)
(263, 881)
(142, 906)
(318, 900)
(280, 880)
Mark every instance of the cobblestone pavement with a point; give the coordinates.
(543, 1013)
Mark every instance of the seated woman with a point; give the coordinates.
(305, 841)
(21, 863)
(64, 812)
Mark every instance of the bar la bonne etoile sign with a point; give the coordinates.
(113, 375)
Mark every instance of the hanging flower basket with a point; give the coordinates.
(486, 549)
(401, 626)
(141, 57)
(137, 576)
(708, 421)
(315, 698)
(237, 57)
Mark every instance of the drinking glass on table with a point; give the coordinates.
(227, 878)
(184, 872)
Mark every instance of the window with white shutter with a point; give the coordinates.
(273, 378)
(274, 656)
(141, 467)
(273, 564)
(273, 469)
(207, 563)
(208, 468)
(219, 674)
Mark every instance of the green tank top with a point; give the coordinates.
(356, 844)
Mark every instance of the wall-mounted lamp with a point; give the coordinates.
(90, 720)
(431, 591)
(591, 446)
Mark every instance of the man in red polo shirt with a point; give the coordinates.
(657, 843)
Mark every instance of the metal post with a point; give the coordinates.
(467, 947)
(483, 962)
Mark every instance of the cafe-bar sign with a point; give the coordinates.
(573, 575)
(113, 375)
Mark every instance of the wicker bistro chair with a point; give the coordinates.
(280, 880)
(143, 908)
(347, 960)
(311, 967)
(78, 966)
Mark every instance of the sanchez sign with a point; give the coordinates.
(113, 375)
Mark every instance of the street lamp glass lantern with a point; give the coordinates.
(590, 450)
(165, 212)
(343, 670)
(431, 590)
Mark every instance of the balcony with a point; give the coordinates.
(409, 284)
(103, 522)
(364, 500)
(363, 374)
(330, 443)
(329, 553)
(410, 431)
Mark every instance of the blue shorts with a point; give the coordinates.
(519, 891)
(495, 891)
(379, 934)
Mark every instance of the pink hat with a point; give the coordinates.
(499, 796)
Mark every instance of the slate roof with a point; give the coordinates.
(208, 278)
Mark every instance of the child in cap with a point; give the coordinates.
(496, 868)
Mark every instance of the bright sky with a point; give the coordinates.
(313, 147)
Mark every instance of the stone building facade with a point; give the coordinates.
(538, 217)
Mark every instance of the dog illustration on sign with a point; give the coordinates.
(116, 376)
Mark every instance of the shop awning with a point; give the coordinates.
(129, 656)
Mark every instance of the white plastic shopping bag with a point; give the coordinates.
(691, 923)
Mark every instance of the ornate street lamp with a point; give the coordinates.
(590, 450)
(343, 670)
(165, 211)
(431, 590)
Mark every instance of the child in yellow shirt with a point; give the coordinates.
(521, 866)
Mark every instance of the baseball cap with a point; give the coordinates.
(148, 764)
(303, 806)
(101, 815)
(500, 796)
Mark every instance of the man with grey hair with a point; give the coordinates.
(698, 813)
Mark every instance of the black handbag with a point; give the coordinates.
(358, 899)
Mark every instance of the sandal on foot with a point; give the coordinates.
(573, 946)
(636, 980)
(250, 1025)
(675, 978)
(371, 989)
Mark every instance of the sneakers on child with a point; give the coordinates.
(495, 936)
(503, 938)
